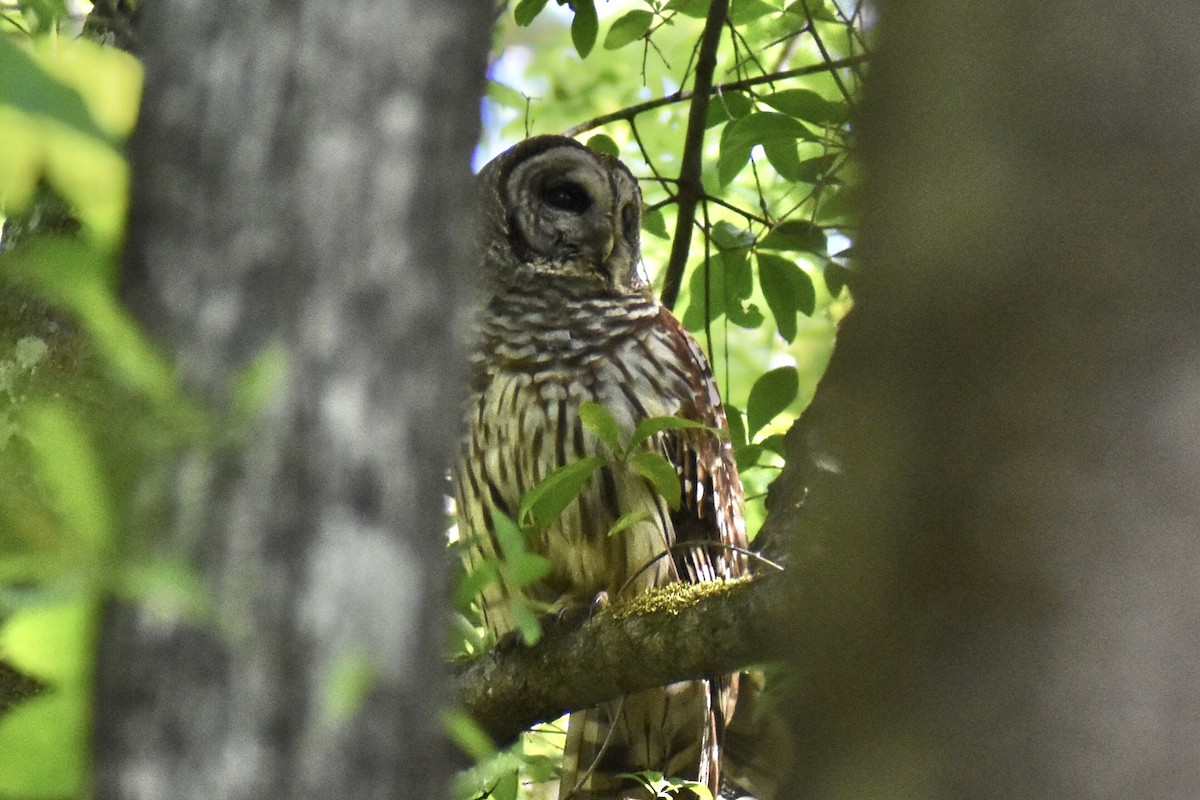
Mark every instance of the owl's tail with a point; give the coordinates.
(674, 730)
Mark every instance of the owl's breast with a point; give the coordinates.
(524, 423)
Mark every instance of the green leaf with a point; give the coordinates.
(733, 155)
(747, 456)
(604, 144)
(746, 316)
(28, 88)
(836, 276)
(809, 106)
(261, 380)
(728, 105)
(814, 170)
(628, 28)
(653, 224)
(629, 520)
(520, 566)
(507, 96)
(527, 10)
(69, 468)
(527, 623)
(45, 744)
(787, 289)
(776, 444)
(661, 473)
(596, 419)
(347, 683)
(77, 275)
(51, 642)
(697, 9)
(785, 159)
(727, 236)
(468, 734)
(584, 27)
(652, 425)
(543, 503)
(795, 235)
(772, 393)
(761, 127)
(474, 582)
(744, 11)
(737, 428)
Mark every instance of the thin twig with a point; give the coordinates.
(812, 28)
(690, 187)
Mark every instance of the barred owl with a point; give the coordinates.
(567, 319)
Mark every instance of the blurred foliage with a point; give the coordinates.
(85, 399)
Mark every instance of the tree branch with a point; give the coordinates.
(690, 187)
(629, 112)
(658, 638)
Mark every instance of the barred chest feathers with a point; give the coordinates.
(536, 364)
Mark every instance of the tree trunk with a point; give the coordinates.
(1002, 462)
(301, 176)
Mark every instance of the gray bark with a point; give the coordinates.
(1001, 527)
(300, 176)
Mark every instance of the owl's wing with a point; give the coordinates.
(710, 511)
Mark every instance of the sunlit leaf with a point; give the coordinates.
(109, 80)
(661, 473)
(543, 503)
(771, 394)
(626, 521)
(505, 95)
(51, 642)
(652, 425)
(465, 732)
(584, 27)
(603, 143)
(744, 11)
(520, 566)
(27, 87)
(69, 468)
(689, 8)
(92, 179)
(628, 28)
(44, 741)
(20, 158)
(596, 419)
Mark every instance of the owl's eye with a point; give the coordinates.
(567, 196)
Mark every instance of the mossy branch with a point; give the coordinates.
(666, 635)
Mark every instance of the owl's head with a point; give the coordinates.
(554, 210)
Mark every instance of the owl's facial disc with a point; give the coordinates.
(576, 216)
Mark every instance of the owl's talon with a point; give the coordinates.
(599, 602)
